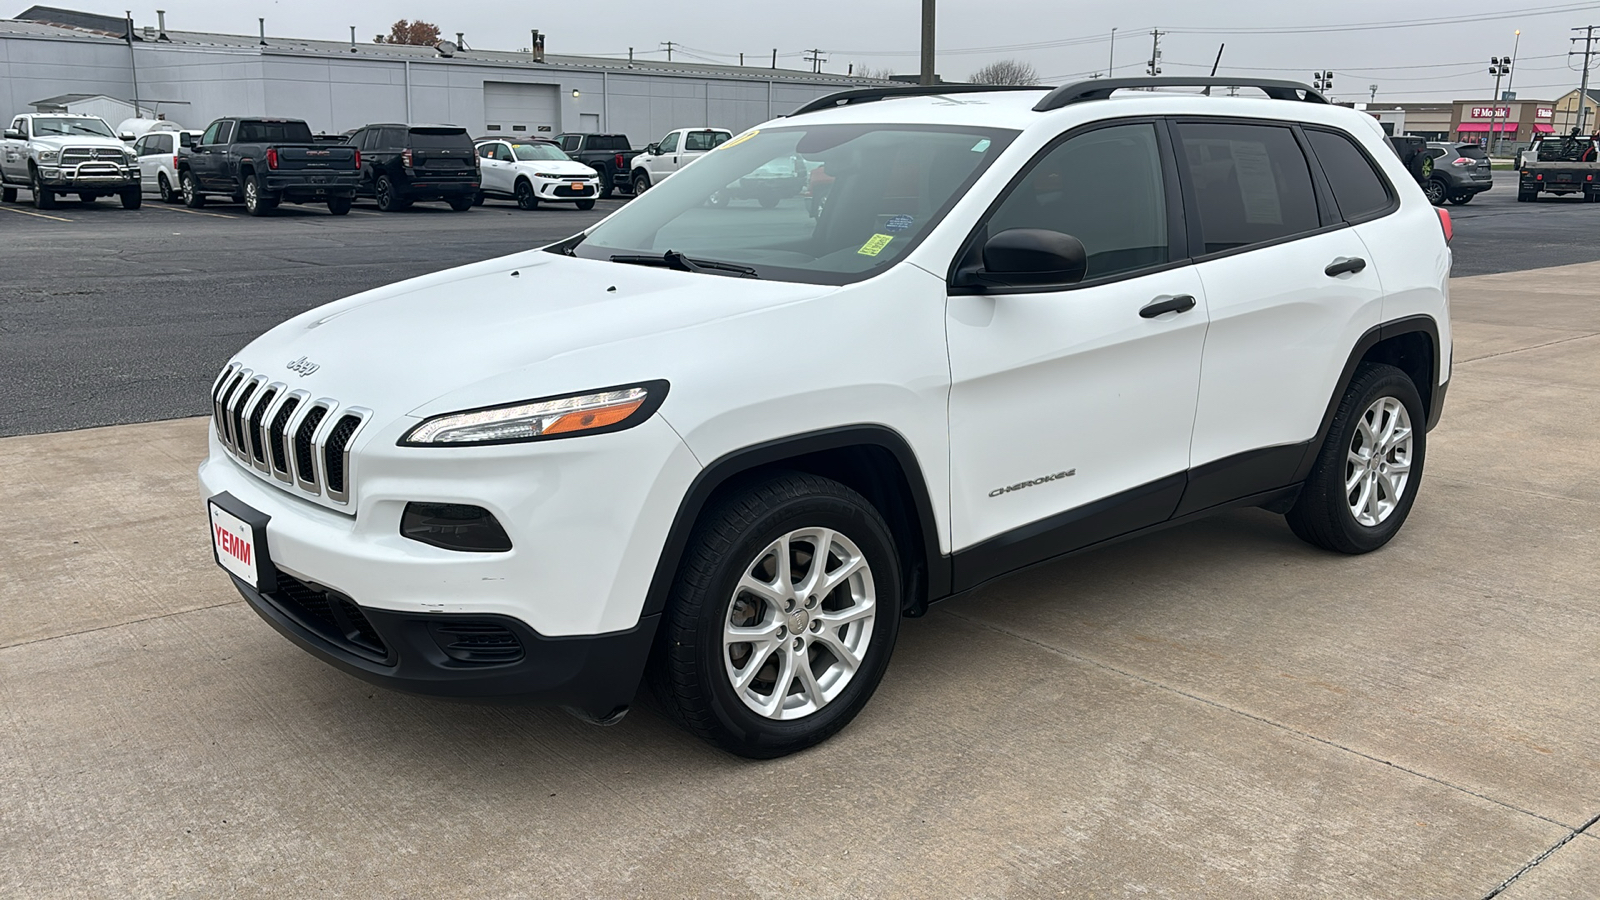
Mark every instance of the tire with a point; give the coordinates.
(463, 202)
(168, 195)
(731, 551)
(43, 197)
(606, 187)
(1380, 396)
(1436, 191)
(477, 199)
(254, 203)
(720, 200)
(585, 205)
(8, 195)
(388, 199)
(526, 198)
(641, 183)
(132, 199)
(769, 201)
(192, 197)
(1461, 199)
(1527, 196)
(339, 206)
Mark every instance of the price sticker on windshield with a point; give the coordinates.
(875, 244)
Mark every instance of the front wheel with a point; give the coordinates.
(526, 198)
(43, 197)
(132, 199)
(782, 618)
(463, 202)
(1436, 190)
(641, 183)
(192, 197)
(585, 204)
(1365, 478)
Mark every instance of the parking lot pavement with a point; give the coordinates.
(1495, 233)
(1214, 711)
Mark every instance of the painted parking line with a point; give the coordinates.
(29, 212)
(193, 212)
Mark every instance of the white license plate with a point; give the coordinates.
(234, 541)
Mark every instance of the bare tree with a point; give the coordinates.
(419, 33)
(882, 74)
(1006, 71)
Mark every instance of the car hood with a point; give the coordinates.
(56, 142)
(508, 329)
(556, 167)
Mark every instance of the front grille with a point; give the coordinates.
(568, 191)
(477, 643)
(286, 435)
(333, 616)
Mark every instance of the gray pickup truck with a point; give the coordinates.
(262, 162)
(50, 155)
(1560, 165)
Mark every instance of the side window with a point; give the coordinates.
(570, 142)
(20, 124)
(1358, 188)
(1436, 153)
(164, 144)
(700, 140)
(210, 137)
(487, 151)
(669, 144)
(141, 147)
(224, 132)
(1249, 183)
(1104, 188)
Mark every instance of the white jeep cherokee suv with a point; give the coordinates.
(742, 443)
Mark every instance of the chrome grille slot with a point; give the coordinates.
(305, 457)
(301, 441)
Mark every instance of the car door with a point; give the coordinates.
(209, 160)
(664, 162)
(13, 158)
(1290, 290)
(697, 144)
(148, 151)
(1071, 404)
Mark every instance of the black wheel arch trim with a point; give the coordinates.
(769, 453)
(1423, 324)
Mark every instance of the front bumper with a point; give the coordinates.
(103, 177)
(563, 190)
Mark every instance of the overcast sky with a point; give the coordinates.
(1430, 60)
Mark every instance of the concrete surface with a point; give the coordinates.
(1213, 711)
(109, 316)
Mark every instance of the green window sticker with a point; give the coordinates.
(980, 146)
(875, 244)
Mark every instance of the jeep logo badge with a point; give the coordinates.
(303, 366)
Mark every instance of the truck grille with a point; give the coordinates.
(72, 156)
(284, 435)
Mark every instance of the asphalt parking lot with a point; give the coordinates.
(1213, 711)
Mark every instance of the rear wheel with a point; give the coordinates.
(477, 199)
(132, 199)
(1461, 199)
(783, 616)
(606, 187)
(1366, 476)
(769, 201)
(388, 200)
(168, 195)
(1436, 190)
(339, 206)
(463, 202)
(192, 197)
(1527, 196)
(43, 197)
(526, 198)
(254, 202)
(641, 183)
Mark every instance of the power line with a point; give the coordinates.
(815, 57)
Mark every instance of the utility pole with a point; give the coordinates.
(1516, 45)
(1154, 66)
(1499, 67)
(133, 65)
(1373, 89)
(1111, 64)
(668, 45)
(1583, 87)
(928, 75)
(816, 59)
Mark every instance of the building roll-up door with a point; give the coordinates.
(520, 110)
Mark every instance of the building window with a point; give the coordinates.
(494, 127)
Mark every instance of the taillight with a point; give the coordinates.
(1463, 162)
(174, 163)
(272, 157)
(358, 159)
(1445, 223)
(621, 163)
(405, 158)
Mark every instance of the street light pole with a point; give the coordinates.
(1498, 67)
(927, 42)
(1511, 77)
(1111, 64)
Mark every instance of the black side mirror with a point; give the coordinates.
(13, 135)
(1023, 256)
(186, 140)
(653, 149)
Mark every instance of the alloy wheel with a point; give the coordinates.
(1378, 462)
(799, 623)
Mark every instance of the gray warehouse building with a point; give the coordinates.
(49, 54)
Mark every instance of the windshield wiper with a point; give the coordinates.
(672, 259)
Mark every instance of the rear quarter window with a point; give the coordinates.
(1358, 187)
(1250, 184)
(1472, 151)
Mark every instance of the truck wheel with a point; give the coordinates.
(641, 183)
(168, 195)
(783, 616)
(606, 187)
(254, 203)
(8, 195)
(1436, 190)
(43, 197)
(192, 197)
(132, 198)
(1527, 196)
(383, 191)
(463, 202)
(339, 206)
(1366, 475)
(585, 204)
(526, 198)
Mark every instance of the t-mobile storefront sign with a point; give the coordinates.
(1491, 112)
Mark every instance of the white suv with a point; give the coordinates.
(743, 442)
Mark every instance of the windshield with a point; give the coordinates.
(828, 204)
(539, 152)
(68, 127)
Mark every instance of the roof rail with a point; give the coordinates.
(867, 95)
(1103, 88)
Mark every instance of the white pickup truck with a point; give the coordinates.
(672, 153)
(62, 154)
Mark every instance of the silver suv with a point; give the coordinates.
(1460, 172)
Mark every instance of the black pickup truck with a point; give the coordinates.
(1560, 165)
(609, 154)
(262, 162)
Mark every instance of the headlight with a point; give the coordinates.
(572, 415)
(128, 155)
(548, 175)
(49, 156)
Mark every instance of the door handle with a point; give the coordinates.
(1349, 265)
(1179, 304)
